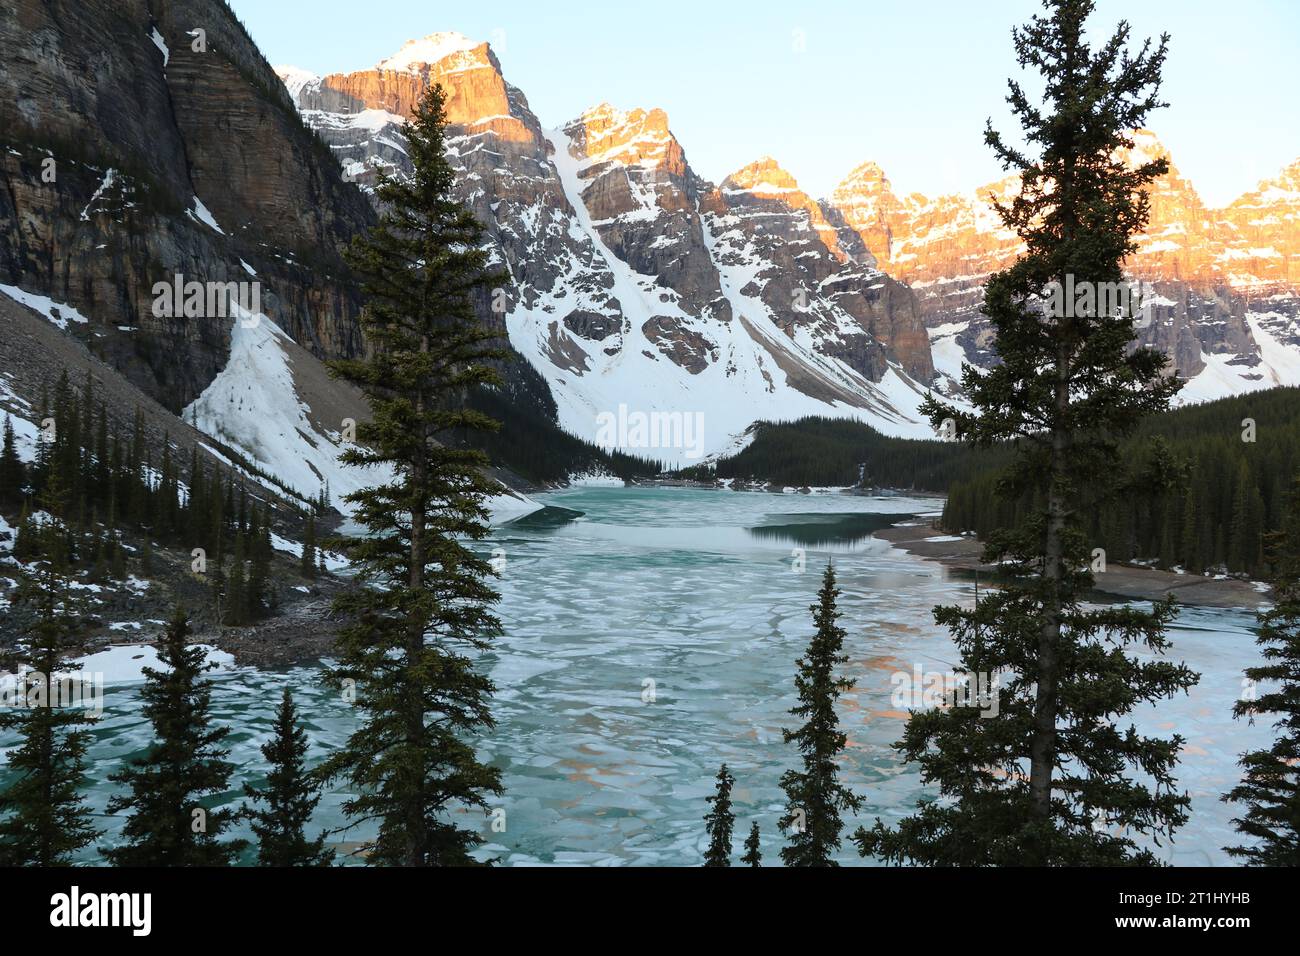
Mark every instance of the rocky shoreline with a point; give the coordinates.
(1118, 580)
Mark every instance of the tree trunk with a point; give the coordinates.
(416, 835)
(1042, 748)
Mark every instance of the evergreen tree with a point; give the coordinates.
(196, 504)
(44, 447)
(116, 560)
(27, 544)
(137, 504)
(423, 607)
(43, 816)
(308, 562)
(815, 797)
(169, 823)
(260, 593)
(165, 500)
(56, 471)
(1168, 533)
(1027, 786)
(100, 477)
(290, 796)
(237, 598)
(1270, 786)
(13, 475)
(1190, 548)
(1246, 527)
(753, 853)
(720, 821)
(99, 566)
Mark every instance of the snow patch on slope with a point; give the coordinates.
(158, 41)
(104, 183)
(1277, 364)
(946, 353)
(200, 214)
(56, 312)
(14, 407)
(253, 405)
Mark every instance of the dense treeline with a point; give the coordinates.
(532, 445)
(831, 452)
(1230, 487)
(1236, 458)
(90, 484)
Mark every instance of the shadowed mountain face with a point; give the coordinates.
(146, 140)
(166, 214)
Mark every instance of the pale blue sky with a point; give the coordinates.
(823, 86)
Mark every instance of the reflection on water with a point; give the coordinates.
(816, 531)
(551, 516)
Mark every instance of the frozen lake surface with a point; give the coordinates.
(695, 591)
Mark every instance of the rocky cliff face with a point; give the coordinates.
(1261, 231)
(643, 202)
(147, 139)
(635, 282)
(818, 281)
(1224, 282)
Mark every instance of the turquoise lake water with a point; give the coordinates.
(694, 594)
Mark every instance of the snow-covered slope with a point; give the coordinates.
(1274, 362)
(253, 406)
(747, 369)
(22, 419)
(636, 287)
(258, 404)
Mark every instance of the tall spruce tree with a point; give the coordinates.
(1270, 785)
(289, 798)
(422, 610)
(26, 537)
(168, 789)
(308, 562)
(720, 821)
(1028, 785)
(815, 798)
(13, 474)
(43, 816)
(236, 612)
(753, 849)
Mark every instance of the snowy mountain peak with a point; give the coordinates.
(295, 79)
(1147, 148)
(868, 176)
(764, 178)
(636, 137)
(427, 51)
(1282, 190)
